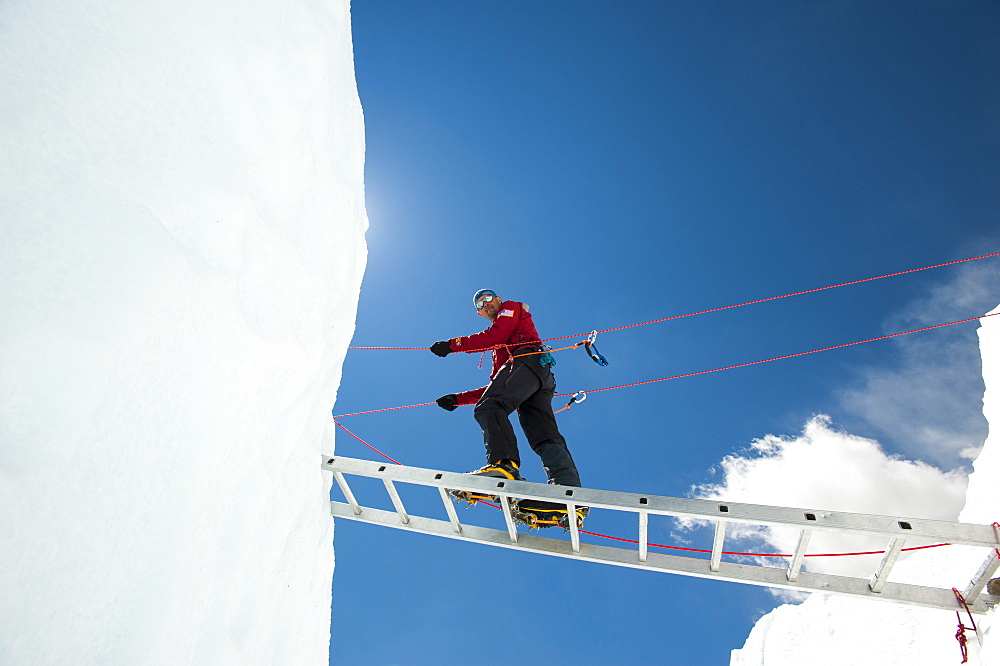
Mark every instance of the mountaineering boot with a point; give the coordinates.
(505, 469)
(537, 513)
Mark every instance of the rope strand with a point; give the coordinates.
(797, 293)
(737, 305)
(727, 367)
(366, 443)
(787, 356)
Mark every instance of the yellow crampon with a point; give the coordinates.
(539, 518)
(471, 496)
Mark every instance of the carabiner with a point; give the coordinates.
(592, 352)
(577, 397)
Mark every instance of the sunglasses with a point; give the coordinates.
(483, 301)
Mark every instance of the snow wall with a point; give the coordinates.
(181, 187)
(828, 630)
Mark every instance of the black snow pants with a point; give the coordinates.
(527, 387)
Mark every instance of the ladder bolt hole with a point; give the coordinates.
(723, 508)
(810, 516)
(903, 525)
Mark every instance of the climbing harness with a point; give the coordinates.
(547, 360)
(587, 344)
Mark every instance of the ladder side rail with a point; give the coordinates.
(982, 577)
(874, 525)
(889, 558)
(742, 573)
(932, 531)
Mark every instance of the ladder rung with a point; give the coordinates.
(800, 553)
(982, 577)
(889, 558)
(720, 538)
(574, 530)
(643, 536)
(346, 489)
(449, 507)
(511, 527)
(396, 501)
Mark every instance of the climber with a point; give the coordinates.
(521, 380)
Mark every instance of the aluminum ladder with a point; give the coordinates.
(896, 530)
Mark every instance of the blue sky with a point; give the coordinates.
(612, 163)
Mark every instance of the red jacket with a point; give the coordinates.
(513, 326)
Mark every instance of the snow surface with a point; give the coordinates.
(828, 630)
(182, 252)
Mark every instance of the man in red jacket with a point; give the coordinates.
(521, 380)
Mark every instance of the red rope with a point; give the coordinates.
(726, 552)
(963, 641)
(960, 634)
(728, 367)
(787, 356)
(737, 305)
(387, 409)
(366, 443)
(797, 293)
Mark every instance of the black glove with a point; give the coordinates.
(442, 348)
(449, 402)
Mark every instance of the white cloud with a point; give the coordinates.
(927, 404)
(824, 468)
